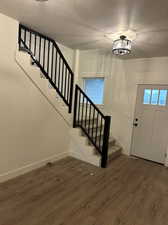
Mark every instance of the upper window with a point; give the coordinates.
(155, 97)
(94, 88)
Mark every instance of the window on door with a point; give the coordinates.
(94, 88)
(155, 97)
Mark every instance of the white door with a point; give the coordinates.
(150, 133)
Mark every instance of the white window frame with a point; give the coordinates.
(94, 77)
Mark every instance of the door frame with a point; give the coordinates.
(132, 134)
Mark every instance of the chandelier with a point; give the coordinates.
(121, 46)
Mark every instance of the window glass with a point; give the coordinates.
(162, 97)
(147, 96)
(94, 88)
(155, 95)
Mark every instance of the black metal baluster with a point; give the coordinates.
(20, 36)
(68, 88)
(30, 41)
(71, 93)
(65, 86)
(25, 34)
(93, 123)
(40, 50)
(86, 119)
(44, 53)
(59, 71)
(52, 62)
(90, 112)
(35, 44)
(100, 139)
(83, 105)
(75, 107)
(97, 125)
(62, 79)
(48, 61)
(55, 67)
(79, 107)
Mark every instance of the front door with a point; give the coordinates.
(150, 132)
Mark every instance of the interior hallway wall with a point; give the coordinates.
(137, 71)
(96, 63)
(125, 78)
(121, 80)
(31, 130)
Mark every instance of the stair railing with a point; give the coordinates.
(46, 54)
(93, 123)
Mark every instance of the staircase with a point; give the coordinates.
(93, 124)
(114, 149)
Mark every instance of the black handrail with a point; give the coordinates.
(45, 52)
(93, 123)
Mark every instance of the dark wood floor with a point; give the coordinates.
(128, 192)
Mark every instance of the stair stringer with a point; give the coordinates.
(34, 74)
(80, 149)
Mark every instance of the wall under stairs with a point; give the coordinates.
(32, 131)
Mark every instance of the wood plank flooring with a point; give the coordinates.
(71, 192)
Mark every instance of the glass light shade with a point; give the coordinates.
(121, 46)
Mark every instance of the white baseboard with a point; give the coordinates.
(14, 173)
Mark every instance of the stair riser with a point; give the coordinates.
(114, 155)
(114, 151)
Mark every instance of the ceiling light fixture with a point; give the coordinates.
(122, 46)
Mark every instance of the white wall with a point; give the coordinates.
(121, 80)
(122, 91)
(137, 71)
(96, 63)
(69, 55)
(30, 129)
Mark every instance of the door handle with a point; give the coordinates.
(135, 124)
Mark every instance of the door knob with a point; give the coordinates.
(135, 124)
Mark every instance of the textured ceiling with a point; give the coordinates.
(84, 24)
